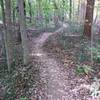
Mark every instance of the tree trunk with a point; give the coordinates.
(3, 11)
(30, 10)
(39, 13)
(89, 18)
(70, 12)
(56, 17)
(26, 55)
(4, 26)
(63, 11)
(78, 7)
(8, 35)
(24, 6)
(82, 11)
(78, 10)
(73, 10)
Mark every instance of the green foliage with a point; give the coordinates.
(84, 54)
(96, 58)
(23, 98)
(0, 13)
(84, 69)
(83, 57)
(79, 70)
(8, 82)
(10, 94)
(75, 27)
(96, 53)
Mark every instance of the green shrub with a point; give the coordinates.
(84, 69)
(96, 53)
(23, 98)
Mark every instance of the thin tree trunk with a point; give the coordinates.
(56, 17)
(73, 10)
(96, 17)
(89, 18)
(9, 35)
(26, 55)
(78, 11)
(70, 12)
(14, 12)
(3, 11)
(82, 11)
(62, 15)
(40, 13)
(30, 10)
(4, 25)
(24, 6)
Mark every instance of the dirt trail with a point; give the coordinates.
(59, 84)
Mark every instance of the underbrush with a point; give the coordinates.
(20, 82)
(75, 27)
(80, 48)
(76, 46)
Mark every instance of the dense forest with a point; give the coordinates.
(49, 49)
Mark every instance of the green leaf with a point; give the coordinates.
(79, 70)
(87, 69)
(23, 98)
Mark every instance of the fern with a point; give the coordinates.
(84, 69)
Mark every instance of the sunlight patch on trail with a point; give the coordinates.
(37, 54)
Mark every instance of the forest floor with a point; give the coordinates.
(58, 80)
(52, 73)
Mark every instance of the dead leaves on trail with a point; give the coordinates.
(56, 50)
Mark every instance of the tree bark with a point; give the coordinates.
(25, 46)
(78, 10)
(56, 17)
(89, 18)
(81, 11)
(70, 12)
(3, 18)
(30, 10)
(3, 28)
(8, 35)
(39, 13)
